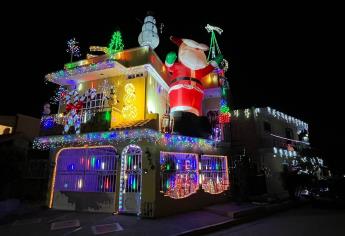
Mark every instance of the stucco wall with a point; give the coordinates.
(168, 206)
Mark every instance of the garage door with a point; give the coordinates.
(85, 179)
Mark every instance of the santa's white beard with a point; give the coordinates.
(192, 58)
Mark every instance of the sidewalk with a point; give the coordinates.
(192, 223)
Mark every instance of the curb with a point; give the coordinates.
(264, 212)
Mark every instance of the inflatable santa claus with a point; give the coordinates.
(186, 89)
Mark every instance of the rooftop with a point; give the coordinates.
(107, 65)
(123, 62)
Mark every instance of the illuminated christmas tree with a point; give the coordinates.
(224, 111)
(116, 43)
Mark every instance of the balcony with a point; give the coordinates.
(90, 120)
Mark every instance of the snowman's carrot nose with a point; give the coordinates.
(176, 40)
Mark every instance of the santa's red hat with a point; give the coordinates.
(189, 42)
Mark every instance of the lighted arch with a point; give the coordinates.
(130, 179)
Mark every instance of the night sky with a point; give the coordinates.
(280, 56)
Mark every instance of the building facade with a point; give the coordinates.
(273, 141)
(112, 145)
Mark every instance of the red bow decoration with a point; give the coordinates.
(78, 106)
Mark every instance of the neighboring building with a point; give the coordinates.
(18, 162)
(19, 130)
(271, 140)
(111, 144)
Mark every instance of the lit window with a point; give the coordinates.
(214, 176)
(179, 174)
(5, 129)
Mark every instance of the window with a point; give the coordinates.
(214, 176)
(132, 76)
(97, 102)
(267, 127)
(182, 173)
(5, 129)
(179, 174)
(86, 170)
(288, 133)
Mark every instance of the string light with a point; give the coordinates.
(280, 115)
(48, 122)
(128, 180)
(224, 118)
(224, 111)
(98, 49)
(277, 114)
(65, 74)
(236, 113)
(133, 136)
(116, 43)
(73, 48)
(247, 113)
(60, 93)
(129, 111)
(179, 182)
(256, 111)
(215, 179)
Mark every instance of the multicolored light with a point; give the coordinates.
(73, 48)
(224, 111)
(65, 74)
(133, 136)
(179, 174)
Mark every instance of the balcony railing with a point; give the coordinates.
(86, 120)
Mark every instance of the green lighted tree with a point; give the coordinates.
(116, 43)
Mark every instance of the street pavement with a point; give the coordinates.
(51, 222)
(304, 221)
(297, 221)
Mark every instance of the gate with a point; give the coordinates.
(90, 169)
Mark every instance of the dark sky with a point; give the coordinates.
(283, 56)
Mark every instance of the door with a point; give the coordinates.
(130, 180)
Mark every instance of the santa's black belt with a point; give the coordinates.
(186, 78)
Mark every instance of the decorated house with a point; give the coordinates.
(119, 142)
